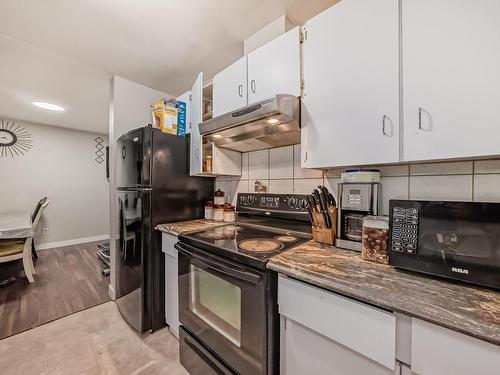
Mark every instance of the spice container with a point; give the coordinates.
(219, 197)
(229, 214)
(208, 164)
(375, 239)
(218, 212)
(209, 210)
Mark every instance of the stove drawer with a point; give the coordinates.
(196, 359)
(362, 328)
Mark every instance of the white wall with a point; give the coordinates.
(60, 166)
(129, 109)
(269, 32)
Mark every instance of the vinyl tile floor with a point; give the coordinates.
(93, 341)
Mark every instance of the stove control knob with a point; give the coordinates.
(303, 204)
(292, 202)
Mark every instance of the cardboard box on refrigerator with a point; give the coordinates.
(169, 115)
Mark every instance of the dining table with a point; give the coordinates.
(14, 224)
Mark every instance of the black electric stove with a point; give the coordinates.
(246, 243)
(227, 297)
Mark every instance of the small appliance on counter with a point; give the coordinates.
(357, 200)
(456, 240)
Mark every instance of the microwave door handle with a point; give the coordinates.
(233, 271)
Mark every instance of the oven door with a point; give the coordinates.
(223, 304)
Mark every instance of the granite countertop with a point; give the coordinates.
(466, 309)
(182, 227)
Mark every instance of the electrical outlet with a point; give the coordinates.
(45, 231)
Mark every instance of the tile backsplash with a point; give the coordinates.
(279, 169)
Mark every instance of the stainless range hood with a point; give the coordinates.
(270, 123)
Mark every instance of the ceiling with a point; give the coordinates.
(65, 51)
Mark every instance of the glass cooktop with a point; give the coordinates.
(246, 240)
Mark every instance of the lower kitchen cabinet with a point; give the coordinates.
(325, 333)
(309, 352)
(436, 350)
(171, 283)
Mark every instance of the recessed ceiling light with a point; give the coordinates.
(272, 121)
(49, 106)
(217, 136)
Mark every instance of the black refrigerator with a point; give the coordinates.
(153, 187)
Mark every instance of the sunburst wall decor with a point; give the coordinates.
(14, 139)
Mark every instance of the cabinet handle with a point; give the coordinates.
(383, 124)
(420, 118)
(252, 85)
(240, 90)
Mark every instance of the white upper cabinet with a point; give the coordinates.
(195, 117)
(451, 78)
(274, 68)
(350, 107)
(230, 88)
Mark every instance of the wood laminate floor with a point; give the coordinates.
(68, 280)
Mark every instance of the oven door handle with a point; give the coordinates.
(232, 270)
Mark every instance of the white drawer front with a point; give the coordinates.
(436, 350)
(364, 329)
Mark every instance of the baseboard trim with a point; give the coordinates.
(76, 241)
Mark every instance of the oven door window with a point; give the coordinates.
(217, 302)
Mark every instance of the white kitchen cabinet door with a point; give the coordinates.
(186, 99)
(451, 78)
(274, 68)
(305, 351)
(350, 106)
(196, 116)
(230, 88)
(173, 292)
(368, 333)
(436, 350)
(168, 242)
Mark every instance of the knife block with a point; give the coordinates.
(320, 232)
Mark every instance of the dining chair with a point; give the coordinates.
(15, 249)
(33, 216)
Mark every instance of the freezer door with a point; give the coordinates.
(133, 153)
(133, 246)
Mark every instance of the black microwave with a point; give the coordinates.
(456, 240)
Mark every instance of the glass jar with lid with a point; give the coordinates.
(218, 212)
(375, 239)
(229, 214)
(209, 207)
(219, 197)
